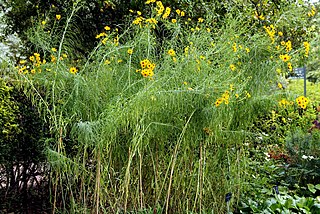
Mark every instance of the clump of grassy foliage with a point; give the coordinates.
(129, 137)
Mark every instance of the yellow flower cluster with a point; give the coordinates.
(312, 12)
(288, 46)
(152, 21)
(302, 101)
(150, 1)
(286, 58)
(159, 8)
(104, 34)
(234, 47)
(289, 66)
(35, 60)
(224, 98)
(257, 16)
(271, 32)
(147, 68)
(284, 103)
(138, 20)
(166, 13)
(307, 48)
(180, 13)
(101, 35)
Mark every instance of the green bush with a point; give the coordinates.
(23, 136)
(158, 115)
(9, 125)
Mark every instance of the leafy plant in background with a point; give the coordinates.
(22, 149)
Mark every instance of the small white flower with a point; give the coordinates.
(304, 157)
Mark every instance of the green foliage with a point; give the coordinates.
(8, 120)
(284, 202)
(160, 111)
(92, 16)
(295, 88)
(21, 129)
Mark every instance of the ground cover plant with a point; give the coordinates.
(173, 112)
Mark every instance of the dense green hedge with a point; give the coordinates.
(8, 120)
(93, 15)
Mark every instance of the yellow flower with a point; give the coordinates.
(173, 20)
(171, 52)
(178, 12)
(302, 101)
(307, 48)
(182, 13)
(139, 13)
(101, 35)
(280, 33)
(31, 58)
(159, 8)
(107, 28)
(107, 62)
(150, 1)
(200, 20)
(137, 21)
(218, 102)
(280, 85)
(104, 41)
(130, 51)
(53, 49)
(288, 46)
(33, 71)
(285, 57)
(22, 62)
(289, 66)
(53, 59)
(166, 13)
(234, 47)
(174, 59)
(232, 67)
(43, 22)
(73, 70)
(58, 17)
(247, 50)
